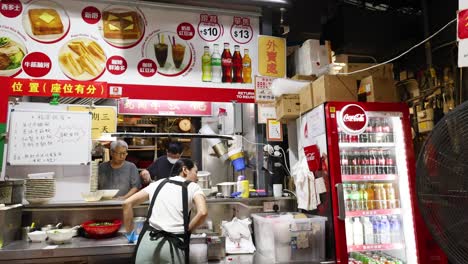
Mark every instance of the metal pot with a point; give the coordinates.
(226, 188)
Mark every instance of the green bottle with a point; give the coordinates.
(206, 65)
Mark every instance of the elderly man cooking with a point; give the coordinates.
(119, 173)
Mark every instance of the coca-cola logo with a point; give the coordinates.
(226, 61)
(310, 156)
(353, 119)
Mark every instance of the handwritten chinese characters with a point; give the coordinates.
(37, 137)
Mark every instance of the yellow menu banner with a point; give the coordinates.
(271, 56)
(104, 119)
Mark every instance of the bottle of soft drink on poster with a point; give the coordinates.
(363, 197)
(376, 228)
(206, 65)
(216, 71)
(237, 65)
(246, 67)
(344, 163)
(368, 231)
(390, 163)
(370, 196)
(358, 234)
(349, 231)
(385, 231)
(395, 229)
(226, 64)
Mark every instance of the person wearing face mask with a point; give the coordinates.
(161, 168)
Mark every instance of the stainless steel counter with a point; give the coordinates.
(83, 250)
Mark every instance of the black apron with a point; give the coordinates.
(173, 239)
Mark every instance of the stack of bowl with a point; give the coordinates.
(93, 179)
(39, 191)
(204, 181)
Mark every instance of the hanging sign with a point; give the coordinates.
(165, 108)
(65, 88)
(272, 56)
(104, 119)
(138, 47)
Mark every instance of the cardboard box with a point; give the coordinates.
(384, 71)
(334, 88)
(375, 89)
(306, 98)
(310, 78)
(287, 106)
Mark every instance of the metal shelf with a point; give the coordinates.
(176, 135)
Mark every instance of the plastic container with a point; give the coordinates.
(293, 239)
(237, 158)
(101, 231)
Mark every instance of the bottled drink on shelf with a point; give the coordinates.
(368, 231)
(383, 201)
(246, 67)
(372, 162)
(363, 197)
(377, 229)
(390, 196)
(385, 231)
(389, 163)
(347, 196)
(349, 231)
(344, 163)
(237, 65)
(206, 65)
(358, 236)
(226, 64)
(355, 199)
(370, 196)
(216, 71)
(380, 162)
(370, 131)
(395, 229)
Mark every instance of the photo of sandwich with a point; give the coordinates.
(46, 21)
(11, 56)
(82, 59)
(122, 27)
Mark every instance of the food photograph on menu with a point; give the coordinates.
(11, 55)
(122, 27)
(172, 54)
(46, 21)
(82, 59)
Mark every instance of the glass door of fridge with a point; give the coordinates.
(374, 174)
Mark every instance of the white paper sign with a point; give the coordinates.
(463, 53)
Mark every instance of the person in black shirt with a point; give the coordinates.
(161, 167)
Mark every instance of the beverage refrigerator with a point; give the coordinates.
(367, 163)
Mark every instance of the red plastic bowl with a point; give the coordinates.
(101, 231)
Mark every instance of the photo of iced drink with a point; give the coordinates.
(178, 52)
(160, 50)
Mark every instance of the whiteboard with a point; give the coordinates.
(48, 138)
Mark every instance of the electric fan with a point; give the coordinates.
(442, 183)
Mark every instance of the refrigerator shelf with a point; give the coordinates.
(361, 248)
(365, 145)
(394, 211)
(371, 177)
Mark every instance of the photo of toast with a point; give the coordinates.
(45, 21)
(82, 59)
(122, 26)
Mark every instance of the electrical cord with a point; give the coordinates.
(402, 54)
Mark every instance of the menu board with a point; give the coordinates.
(138, 49)
(46, 138)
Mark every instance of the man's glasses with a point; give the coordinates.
(121, 153)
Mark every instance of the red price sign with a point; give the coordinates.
(208, 28)
(241, 31)
(185, 31)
